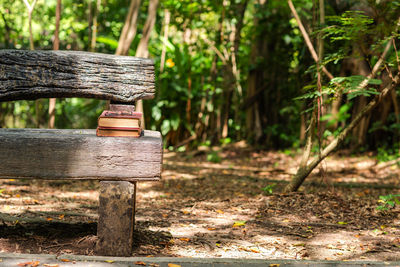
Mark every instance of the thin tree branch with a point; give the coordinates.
(219, 54)
(397, 54)
(307, 39)
(309, 142)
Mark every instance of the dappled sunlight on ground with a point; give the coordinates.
(232, 208)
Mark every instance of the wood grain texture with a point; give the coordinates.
(116, 218)
(79, 154)
(40, 74)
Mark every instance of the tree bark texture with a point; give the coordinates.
(40, 74)
(142, 49)
(360, 67)
(79, 154)
(255, 79)
(129, 30)
(94, 25)
(167, 19)
(7, 40)
(231, 76)
(56, 46)
(30, 8)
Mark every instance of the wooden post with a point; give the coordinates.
(117, 205)
(116, 218)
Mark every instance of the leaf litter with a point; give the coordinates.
(204, 209)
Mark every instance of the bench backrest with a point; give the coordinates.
(28, 75)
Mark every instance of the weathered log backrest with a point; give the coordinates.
(28, 75)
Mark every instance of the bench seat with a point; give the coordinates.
(79, 154)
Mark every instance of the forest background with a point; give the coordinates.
(268, 72)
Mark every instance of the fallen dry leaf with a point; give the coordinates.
(211, 229)
(239, 223)
(109, 261)
(274, 265)
(65, 260)
(184, 239)
(50, 265)
(219, 211)
(173, 265)
(140, 263)
(61, 216)
(29, 264)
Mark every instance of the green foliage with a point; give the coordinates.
(388, 202)
(348, 85)
(351, 86)
(225, 141)
(269, 189)
(341, 116)
(388, 153)
(214, 157)
(350, 26)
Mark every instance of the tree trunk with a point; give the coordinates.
(213, 121)
(360, 67)
(231, 75)
(7, 39)
(253, 119)
(30, 11)
(129, 30)
(94, 26)
(167, 18)
(56, 46)
(90, 21)
(32, 47)
(142, 49)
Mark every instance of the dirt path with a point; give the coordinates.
(204, 209)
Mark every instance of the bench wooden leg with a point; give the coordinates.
(116, 218)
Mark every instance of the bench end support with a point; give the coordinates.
(116, 218)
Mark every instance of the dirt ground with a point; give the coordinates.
(233, 209)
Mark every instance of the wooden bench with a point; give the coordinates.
(117, 162)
